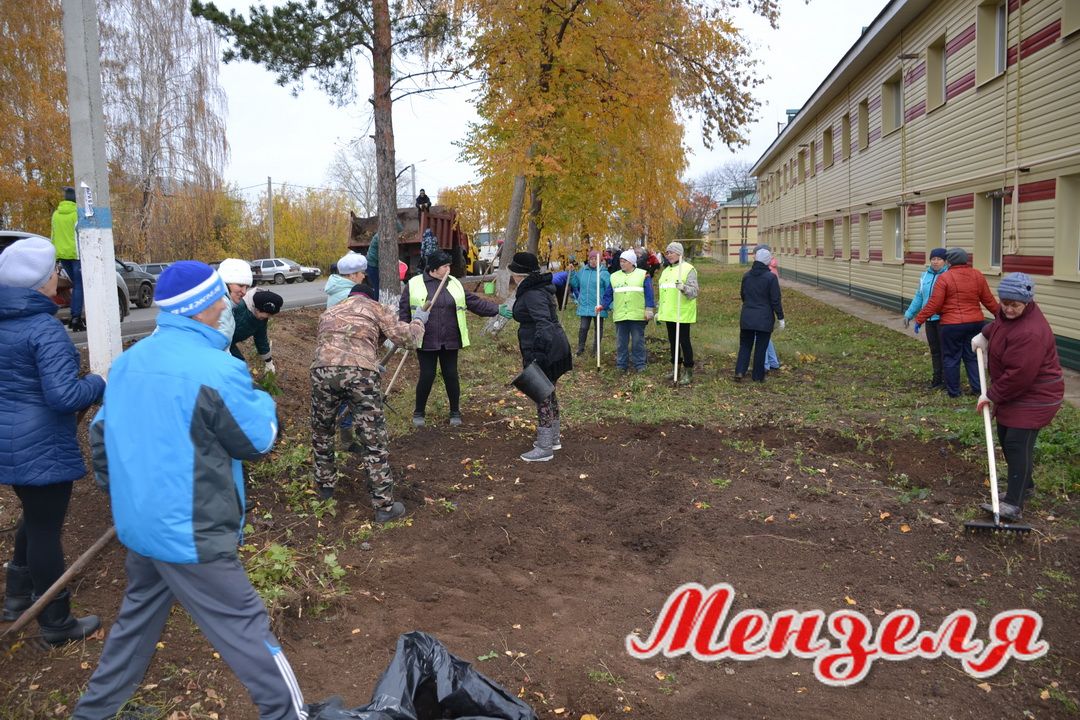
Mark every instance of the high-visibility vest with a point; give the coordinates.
(418, 296)
(671, 308)
(628, 295)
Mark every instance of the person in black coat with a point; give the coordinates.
(423, 202)
(540, 339)
(760, 295)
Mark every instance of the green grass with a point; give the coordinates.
(839, 374)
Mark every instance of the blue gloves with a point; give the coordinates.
(918, 326)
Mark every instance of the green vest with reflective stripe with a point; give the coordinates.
(628, 295)
(671, 308)
(418, 296)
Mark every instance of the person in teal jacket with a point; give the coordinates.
(350, 269)
(583, 286)
(172, 472)
(922, 295)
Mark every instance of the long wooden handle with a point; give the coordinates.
(990, 454)
(76, 567)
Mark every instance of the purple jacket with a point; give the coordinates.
(441, 331)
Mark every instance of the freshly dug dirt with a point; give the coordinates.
(544, 569)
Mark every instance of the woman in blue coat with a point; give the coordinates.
(39, 453)
(933, 333)
(583, 285)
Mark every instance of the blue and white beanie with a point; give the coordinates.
(187, 288)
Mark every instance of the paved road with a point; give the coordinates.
(143, 322)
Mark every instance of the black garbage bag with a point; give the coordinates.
(425, 682)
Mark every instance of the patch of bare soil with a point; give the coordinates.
(544, 569)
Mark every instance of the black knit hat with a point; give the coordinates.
(524, 263)
(268, 302)
(437, 259)
(69, 193)
(362, 289)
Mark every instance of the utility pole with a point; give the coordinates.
(270, 213)
(82, 52)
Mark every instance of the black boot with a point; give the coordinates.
(17, 592)
(59, 626)
(77, 324)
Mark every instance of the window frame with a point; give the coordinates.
(991, 40)
(864, 125)
(828, 152)
(892, 104)
(937, 73)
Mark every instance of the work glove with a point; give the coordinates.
(269, 366)
(649, 314)
(980, 341)
(388, 345)
(918, 326)
(505, 311)
(421, 314)
(907, 322)
(982, 402)
(783, 323)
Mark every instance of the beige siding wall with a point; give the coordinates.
(1017, 129)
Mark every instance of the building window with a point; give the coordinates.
(802, 166)
(1067, 241)
(892, 104)
(813, 158)
(827, 148)
(989, 226)
(864, 125)
(864, 237)
(935, 74)
(845, 136)
(1070, 17)
(991, 39)
(811, 247)
(935, 226)
(845, 239)
(892, 232)
(802, 240)
(827, 240)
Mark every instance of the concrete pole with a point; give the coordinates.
(270, 214)
(82, 52)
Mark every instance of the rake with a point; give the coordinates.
(997, 526)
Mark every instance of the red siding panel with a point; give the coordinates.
(874, 103)
(1030, 264)
(915, 111)
(875, 254)
(874, 216)
(961, 84)
(960, 202)
(915, 258)
(916, 210)
(915, 73)
(958, 42)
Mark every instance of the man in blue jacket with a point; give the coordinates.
(172, 470)
(938, 265)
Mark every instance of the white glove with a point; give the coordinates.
(782, 323)
(979, 341)
(649, 314)
(269, 367)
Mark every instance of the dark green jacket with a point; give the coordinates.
(247, 325)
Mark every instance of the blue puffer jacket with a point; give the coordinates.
(583, 284)
(40, 392)
(922, 295)
(178, 417)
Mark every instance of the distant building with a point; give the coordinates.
(948, 123)
(734, 226)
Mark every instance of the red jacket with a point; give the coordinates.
(956, 297)
(1026, 383)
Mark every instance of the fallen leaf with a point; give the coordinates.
(1044, 695)
(984, 686)
(905, 528)
(770, 519)
(885, 516)
(792, 516)
(160, 645)
(559, 711)
(582, 476)
(958, 559)
(84, 665)
(151, 686)
(879, 613)
(411, 466)
(660, 675)
(590, 716)
(355, 631)
(937, 521)
(850, 600)
(516, 626)
(626, 708)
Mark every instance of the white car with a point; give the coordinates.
(309, 273)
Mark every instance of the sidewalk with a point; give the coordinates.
(895, 321)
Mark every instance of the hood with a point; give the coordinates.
(541, 280)
(758, 268)
(336, 283)
(169, 322)
(23, 302)
(67, 207)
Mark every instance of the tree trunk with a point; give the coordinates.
(535, 204)
(513, 227)
(389, 284)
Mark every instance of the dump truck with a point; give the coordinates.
(411, 225)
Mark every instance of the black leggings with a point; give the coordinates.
(447, 360)
(1018, 446)
(37, 539)
(686, 350)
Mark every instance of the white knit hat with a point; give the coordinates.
(629, 256)
(351, 262)
(235, 271)
(27, 263)
(763, 255)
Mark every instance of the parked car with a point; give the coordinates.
(140, 283)
(309, 273)
(155, 269)
(277, 270)
(63, 287)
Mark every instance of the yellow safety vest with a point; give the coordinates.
(418, 296)
(628, 295)
(671, 308)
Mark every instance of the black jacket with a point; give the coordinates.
(540, 336)
(760, 295)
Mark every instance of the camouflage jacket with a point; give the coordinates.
(351, 333)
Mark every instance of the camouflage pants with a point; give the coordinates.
(360, 389)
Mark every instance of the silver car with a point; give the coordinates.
(277, 270)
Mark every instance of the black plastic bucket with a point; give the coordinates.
(533, 382)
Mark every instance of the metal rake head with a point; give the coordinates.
(996, 528)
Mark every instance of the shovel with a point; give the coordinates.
(985, 526)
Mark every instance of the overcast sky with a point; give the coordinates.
(293, 139)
